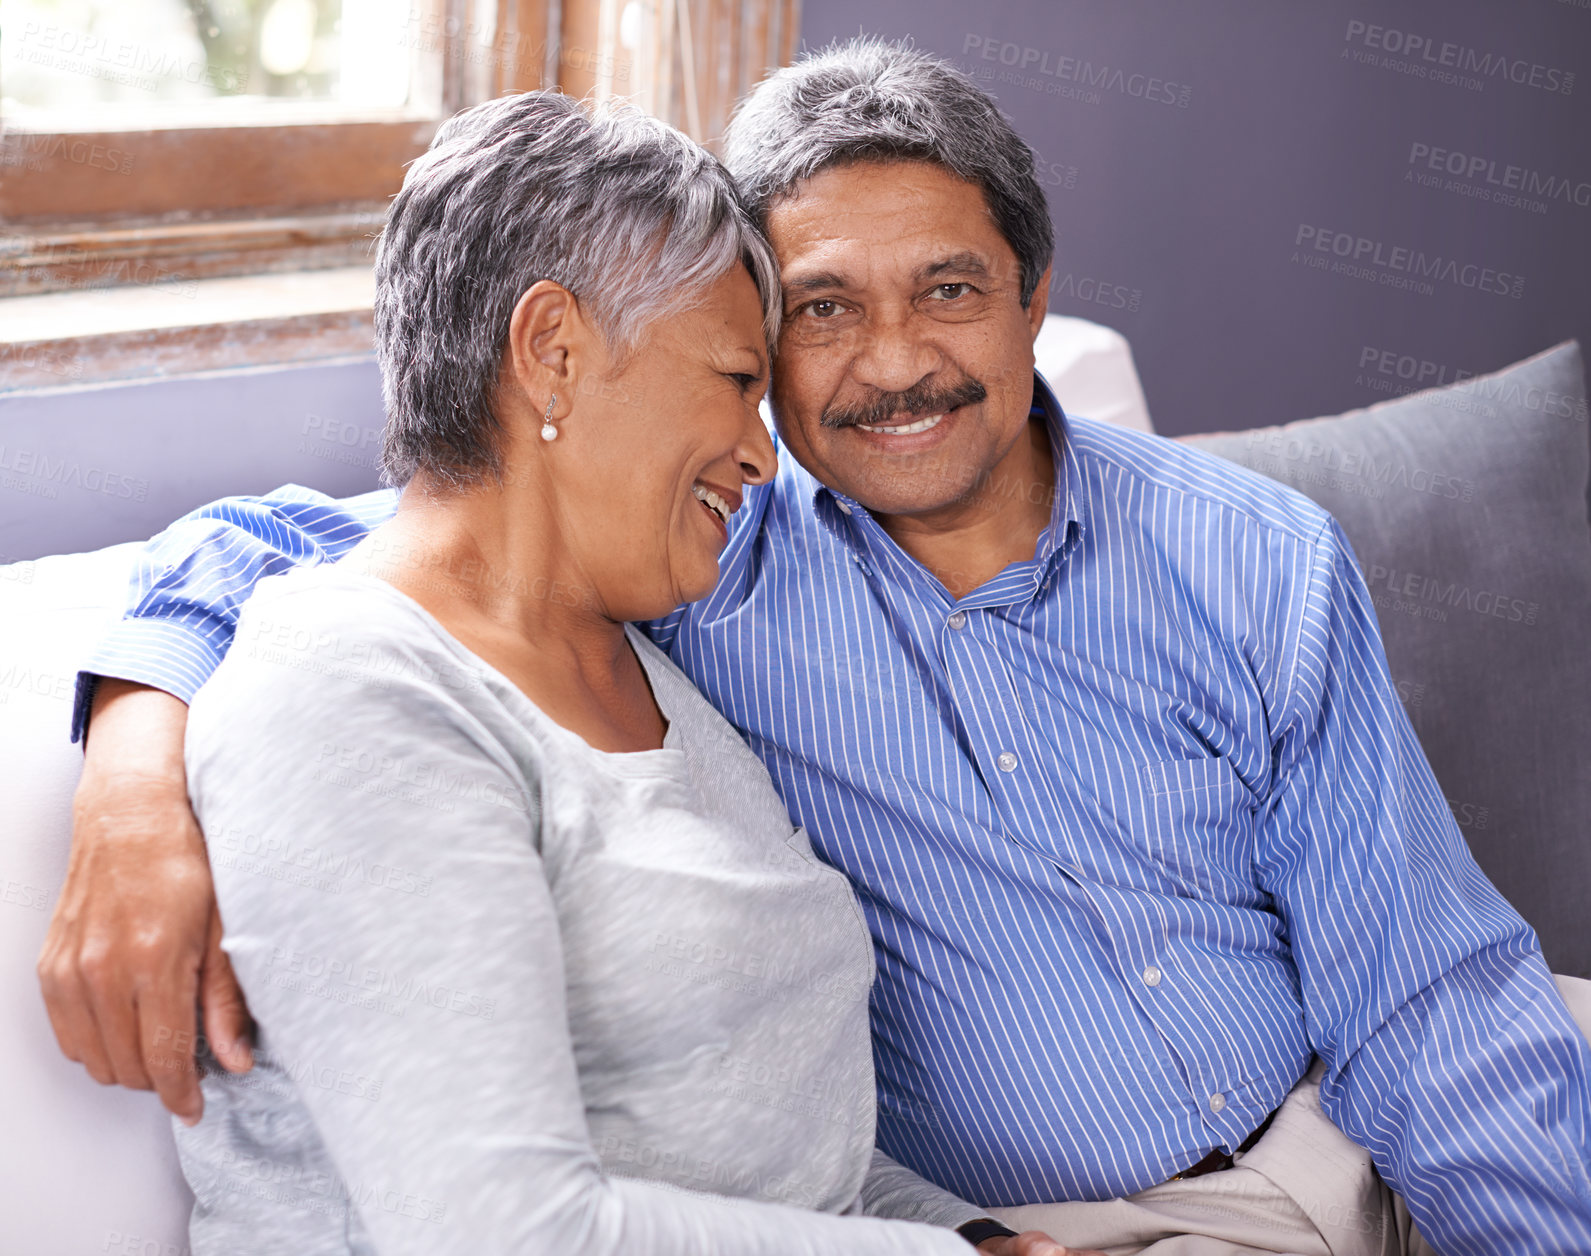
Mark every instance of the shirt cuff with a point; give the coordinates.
(892, 1190)
(952, 1215)
(165, 654)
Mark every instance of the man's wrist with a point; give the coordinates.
(143, 727)
(982, 1229)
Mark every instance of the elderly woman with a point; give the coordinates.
(590, 991)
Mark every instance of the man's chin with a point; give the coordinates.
(905, 495)
(915, 483)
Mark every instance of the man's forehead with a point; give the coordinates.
(848, 265)
(866, 218)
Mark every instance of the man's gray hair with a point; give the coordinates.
(633, 218)
(872, 100)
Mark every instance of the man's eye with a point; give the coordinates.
(823, 308)
(950, 291)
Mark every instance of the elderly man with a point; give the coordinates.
(1175, 934)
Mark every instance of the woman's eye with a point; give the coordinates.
(745, 382)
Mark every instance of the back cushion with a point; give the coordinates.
(1467, 508)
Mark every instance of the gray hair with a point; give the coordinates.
(629, 215)
(871, 100)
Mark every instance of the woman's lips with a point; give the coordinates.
(711, 503)
(718, 523)
(714, 500)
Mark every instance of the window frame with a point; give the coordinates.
(155, 204)
(182, 205)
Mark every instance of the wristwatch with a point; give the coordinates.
(983, 1229)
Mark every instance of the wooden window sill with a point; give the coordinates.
(142, 331)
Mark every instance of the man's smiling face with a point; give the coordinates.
(905, 367)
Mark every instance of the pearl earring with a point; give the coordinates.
(548, 431)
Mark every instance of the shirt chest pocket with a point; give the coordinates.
(1196, 819)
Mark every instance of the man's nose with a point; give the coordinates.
(891, 357)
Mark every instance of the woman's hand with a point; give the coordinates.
(1032, 1243)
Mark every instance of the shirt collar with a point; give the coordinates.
(1067, 512)
(852, 523)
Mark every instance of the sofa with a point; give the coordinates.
(1468, 510)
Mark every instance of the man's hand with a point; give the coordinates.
(1032, 1243)
(135, 941)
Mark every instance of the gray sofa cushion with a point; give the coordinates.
(1467, 509)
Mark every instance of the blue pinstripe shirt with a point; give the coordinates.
(1139, 827)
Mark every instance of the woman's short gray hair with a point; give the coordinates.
(629, 215)
(872, 100)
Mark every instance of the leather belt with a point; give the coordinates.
(1218, 1160)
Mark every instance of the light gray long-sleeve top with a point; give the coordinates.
(516, 994)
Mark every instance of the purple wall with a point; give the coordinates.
(1209, 164)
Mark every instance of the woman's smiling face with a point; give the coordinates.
(656, 448)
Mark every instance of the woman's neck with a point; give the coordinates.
(490, 565)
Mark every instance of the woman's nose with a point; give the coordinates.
(755, 452)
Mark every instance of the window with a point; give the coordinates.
(148, 141)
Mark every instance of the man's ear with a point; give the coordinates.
(1039, 306)
(548, 346)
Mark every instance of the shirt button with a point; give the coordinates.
(1007, 762)
(844, 507)
(1217, 1101)
(958, 621)
(1151, 976)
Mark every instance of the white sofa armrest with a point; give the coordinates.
(1090, 369)
(89, 1168)
(1577, 994)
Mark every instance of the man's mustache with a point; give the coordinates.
(916, 402)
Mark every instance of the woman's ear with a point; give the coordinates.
(547, 345)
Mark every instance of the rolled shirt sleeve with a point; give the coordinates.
(192, 579)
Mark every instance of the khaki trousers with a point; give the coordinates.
(1304, 1188)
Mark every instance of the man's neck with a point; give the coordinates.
(968, 543)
